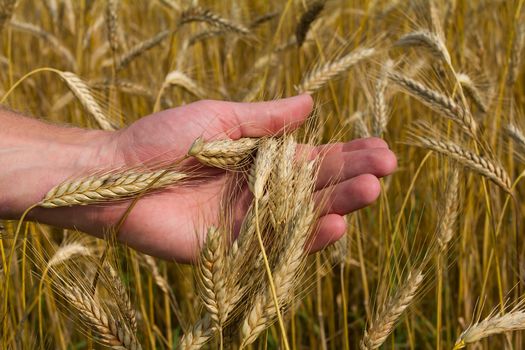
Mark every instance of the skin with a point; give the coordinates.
(36, 156)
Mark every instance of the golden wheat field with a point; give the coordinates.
(437, 262)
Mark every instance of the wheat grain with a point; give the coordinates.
(451, 213)
(121, 296)
(516, 134)
(67, 252)
(385, 320)
(262, 166)
(178, 78)
(515, 54)
(198, 336)
(318, 77)
(109, 187)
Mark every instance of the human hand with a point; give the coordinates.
(170, 223)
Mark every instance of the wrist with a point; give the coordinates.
(36, 156)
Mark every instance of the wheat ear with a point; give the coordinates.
(199, 14)
(440, 103)
(311, 14)
(472, 91)
(380, 106)
(428, 40)
(264, 307)
(516, 134)
(54, 42)
(198, 336)
(318, 77)
(493, 324)
(450, 214)
(141, 47)
(121, 297)
(515, 55)
(225, 154)
(81, 90)
(111, 333)
(384, 321)
(482, 166)
(112, 24)
(109, 187)
(178, 78)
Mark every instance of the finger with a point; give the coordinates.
(267, 118)
(349, 195)
(329, 229)
(354, 145)
(340, 166)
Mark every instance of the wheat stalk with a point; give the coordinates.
(199, 14)
(482, 166)
(318, 77)
(225, 154)
(385, 320)
(442, 104)
(111, 333)
(109, 187)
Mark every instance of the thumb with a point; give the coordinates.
(269, 118)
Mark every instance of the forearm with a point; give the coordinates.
(35, 156)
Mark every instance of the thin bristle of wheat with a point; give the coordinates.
(199, 14)
(428, 40)
(318, 77)
(380, 106)
(178, 78)
(110, 332)
(225, 154)
(121, 297)
(482, 166)
(494, 324)
(81, 90)
(450, 213)
(112, 24)
(311, 14)
(440, 103)
(472, 91)
(384, 321)
(95, 189)
(141, 48)
(7, 7)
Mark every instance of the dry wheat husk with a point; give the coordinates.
(224, 154)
